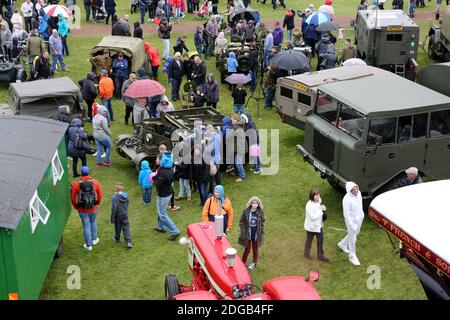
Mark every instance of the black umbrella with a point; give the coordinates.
(292, 61)
(327, 26)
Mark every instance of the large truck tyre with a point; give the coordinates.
(431, 52)
(171, 287)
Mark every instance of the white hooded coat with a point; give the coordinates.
(313, 217)
(353, 208)
(160, 107)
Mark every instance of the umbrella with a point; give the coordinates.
(317, 18)
(327, 26)
(249, 14)
(326, 9)
(291, 60)
(54, 10)
(237, 78)
(144, 88)
(354, 62)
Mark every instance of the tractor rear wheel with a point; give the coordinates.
(171, 287)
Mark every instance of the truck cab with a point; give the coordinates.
(369, 130)
(296, 95)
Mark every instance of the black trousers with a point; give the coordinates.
(212, 218)
(89, 107)
(121, 224)
(309, 239)
(75, 163)
(28, 25)
(212, 104)
(128, 112)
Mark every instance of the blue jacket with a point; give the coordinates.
(74, 131)
(120, 68)
(144, 175)
(43, 28)
(311, 33)
(232, 63)
(166, 160)
(226, 121)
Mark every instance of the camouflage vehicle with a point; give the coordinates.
(388, 39)
(144, 142)
(369, 130)
(296, 95)
(439, 43)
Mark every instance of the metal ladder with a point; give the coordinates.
(400, 70)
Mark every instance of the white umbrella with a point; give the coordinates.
(55, 10)
(327, 9)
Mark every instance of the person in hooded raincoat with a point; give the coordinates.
(63, 31)
(76, 130)
(102, 135)
(252, 229)
(354, 215)
(219, 204)
(165, 105)
(119, 215)
(221, 43)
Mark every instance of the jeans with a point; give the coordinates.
(88, 12)
(267, 54)
(239, 164)
(166, 53)
(268, 98)
(164, 221)
(177, 13)
(185, 188)
(203, 192)
(30, 61)
(176, 88)
(75, 163)
(257, 165)
(147, 195)
(143, 11)
(89, 227)
(411, 10)
(106, 144)
(253, 81)
(65, 47)
(289, 34)
(55, 59)
(118, 82)
(199, 50)
(239, 108)
(107, 103)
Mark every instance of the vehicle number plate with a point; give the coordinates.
(319, 166)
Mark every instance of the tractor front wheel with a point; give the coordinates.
(171, 287)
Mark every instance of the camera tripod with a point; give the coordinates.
(259, 81)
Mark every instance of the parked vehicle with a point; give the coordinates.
(34, 202)
(422, 228)
(371, 129)
(439, 43)
(434, 77)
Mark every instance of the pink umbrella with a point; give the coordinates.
(55, 10)
(327, 9)
(144, 88)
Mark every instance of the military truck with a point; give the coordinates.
(144, 142)
(439, 43)
(388, 39)
(296, 95)
(369, 130)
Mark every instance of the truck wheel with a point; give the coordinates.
(141, 157)
(447, 57)
(171, 287)
(59, 250)
(431, 52)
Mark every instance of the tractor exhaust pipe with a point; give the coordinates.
(231, 257)
(218, 221)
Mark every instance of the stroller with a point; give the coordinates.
(99, 9)
(204, 11)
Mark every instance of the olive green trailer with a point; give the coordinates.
(34, 202)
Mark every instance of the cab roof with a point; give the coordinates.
(385, 18)
(312, 79)
(415, 211)
(387, 95)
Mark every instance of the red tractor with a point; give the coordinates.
(219, 273)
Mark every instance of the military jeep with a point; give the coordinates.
(241, 52)
(144, 142)
(369, 130)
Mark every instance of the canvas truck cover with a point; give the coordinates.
(132, 48)
(26, 150)
(435, 77)
(385, 96)
(421, 224)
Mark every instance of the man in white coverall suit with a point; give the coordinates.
(354, 216)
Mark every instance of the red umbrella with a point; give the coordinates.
(144, 88)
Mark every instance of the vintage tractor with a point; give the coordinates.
(219, 273)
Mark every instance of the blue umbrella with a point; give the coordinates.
(317, 18)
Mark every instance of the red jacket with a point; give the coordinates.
(153, 55)
(76, 190)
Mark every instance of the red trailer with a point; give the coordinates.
(219, 273)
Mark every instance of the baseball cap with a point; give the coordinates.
(104, 72)
(85, 170)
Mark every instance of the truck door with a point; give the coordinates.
(437, 157)
(394, 148)
(394, 48)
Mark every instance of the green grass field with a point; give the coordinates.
(113, 272)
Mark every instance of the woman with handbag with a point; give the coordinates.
(77, 142)
(315, 216)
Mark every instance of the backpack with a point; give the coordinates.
(87, 198)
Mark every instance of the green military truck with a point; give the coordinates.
(439, 43)
(388, 39)
(296, 95)
(369, 130)
(34, 202)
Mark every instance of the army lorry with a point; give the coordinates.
(439, 43)
(388, 39)
(144, 142)
(369, 130)
(296, 95)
